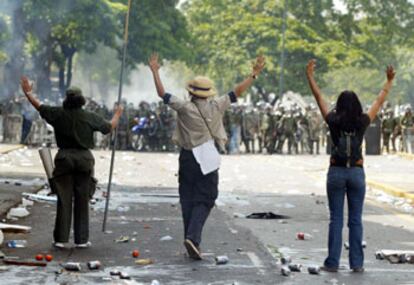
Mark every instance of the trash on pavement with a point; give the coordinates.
(295, 267)
(115, 273)
(2, 255)
(72, 266)
(238, 215)
(39, 257)
(314, 270)
(155, 282)
(303, 236)
(135, 253)
(122, 239)
(1, 237)
(166, 238)
(13, 261)
(285, 260)
(267, 216)
(49, 257)
(144, 261)
(27, 202)
(124, 275)
(222, 259)
(16, 243)
(94, 265)
(285, 271)
(18, 212)
(40, 198)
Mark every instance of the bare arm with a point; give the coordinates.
(155, 66)
(27, 88)
(258, 66)
(376, 106)
(116, 116)
(323, 106)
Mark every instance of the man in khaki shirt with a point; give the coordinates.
(199, 121)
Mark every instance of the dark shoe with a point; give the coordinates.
(329, 269)
(358, 270)
(192, 250)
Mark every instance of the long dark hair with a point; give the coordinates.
(74, 99)
(348, 111)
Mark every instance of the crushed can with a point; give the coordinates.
(295, 267)
(285, 260)
(72, 266)
(115, 273)
(379, 255)
(285, 271)
(94, 265)
(314, 270)
(403, 258)
(124, 275)
(222, 259)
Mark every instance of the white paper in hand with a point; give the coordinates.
(207, 156)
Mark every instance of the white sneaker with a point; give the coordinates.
(83, 245)
(59, 244)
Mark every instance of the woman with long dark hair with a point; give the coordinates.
(346, 177)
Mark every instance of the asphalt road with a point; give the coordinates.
(145, 207)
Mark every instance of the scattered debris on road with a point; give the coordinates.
(222, 259)
(122, 239)
(267, 216)
(24, 262)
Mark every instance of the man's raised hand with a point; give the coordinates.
(153, 62)
(27, 87)
(258, 65)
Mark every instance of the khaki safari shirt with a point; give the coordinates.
(74, 128)
(191, 130)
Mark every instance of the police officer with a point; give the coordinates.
(407, 125)
(387, 128)
(74, 162)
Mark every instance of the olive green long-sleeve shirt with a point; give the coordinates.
(74, 128)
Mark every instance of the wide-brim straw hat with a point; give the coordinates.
(202, 87)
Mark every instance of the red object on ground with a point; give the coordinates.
(135, 253)
(49, 257)
(39, 257)
(300, 236)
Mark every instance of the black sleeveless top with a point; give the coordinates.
(346, 150)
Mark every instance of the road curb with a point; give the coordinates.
(390, 190)
(406, 155)
(11, 148)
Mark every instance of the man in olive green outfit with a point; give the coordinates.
(74, 162)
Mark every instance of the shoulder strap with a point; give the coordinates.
(205, 121)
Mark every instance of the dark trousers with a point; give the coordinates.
(72, 178)
(198, 193)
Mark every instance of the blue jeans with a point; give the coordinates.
(350, 182)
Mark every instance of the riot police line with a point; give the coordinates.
(251, 128)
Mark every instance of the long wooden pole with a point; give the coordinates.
(115, 138)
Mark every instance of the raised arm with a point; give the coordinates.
(258, 66)
(117, 114)
(155, 66)
(323, 107)
(27, 88)
(376, 106)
